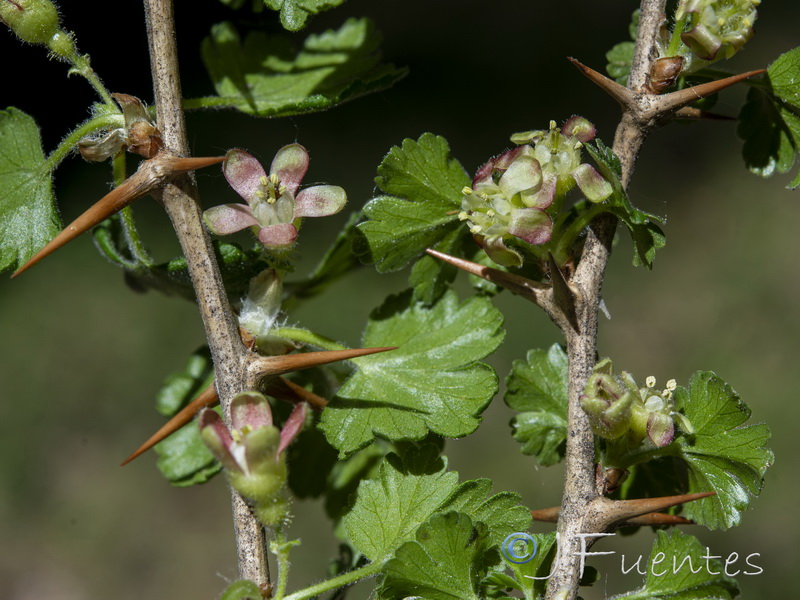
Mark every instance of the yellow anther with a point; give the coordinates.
(273, 177)
(261, 194)
(263, 181)
(281, 190)
(466, 190)
(578, 145)
(475, 229)
(552, 125)
(650, 381)
(463, 215)
(671, 385)
(490, 213)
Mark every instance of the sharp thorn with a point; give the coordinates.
(562, 294)
(276, 365)
(620, 93)
(546, 515)
(690, 112)
(207, 397)
(516, 284)
(617, 511)
(656, 519)
(675, 100)
(177, 164)
(132, 188)
(148, 177)
(285, 389)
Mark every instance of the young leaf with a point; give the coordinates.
(671, 575)
(425, 185)
(295, 13)
(28, 214)
(409, 488)
(722, 454)
(647, 236)
(538, 388)
(446, 561)
(432, 382)
(264, 77)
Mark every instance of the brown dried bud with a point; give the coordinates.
(663, 73)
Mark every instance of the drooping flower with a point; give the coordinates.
(616, 406)
(252, 451)
(273, 204)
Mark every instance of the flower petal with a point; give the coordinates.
(531, 224)
(544, 196)
(290, 165)
(580, 128)
(499, 253)
(591, 183)
(250, 409)
(293, 426)
(660, 429)
(319, 201)
(229, 218)
(523, 174)
(217, 438)
(243, 173)
(277, 236)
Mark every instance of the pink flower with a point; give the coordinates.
(273, 203)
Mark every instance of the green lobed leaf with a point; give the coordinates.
(538, 389)
(415, 484)
(432, 382)
(502, 512)
(768, 144)
(647, 236)
(410, 488)
(424, 185)
(295, 13)
(28, 213)
(722, 454)
(183, 458)
(265, 77)
(769, 122)
(670, 578)
(446, 561)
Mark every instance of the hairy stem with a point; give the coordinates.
(180, 201)
(578, 514)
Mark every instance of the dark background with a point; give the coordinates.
(83, 356)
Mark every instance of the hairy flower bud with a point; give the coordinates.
(34, 21)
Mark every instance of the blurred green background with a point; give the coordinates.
(82, 356)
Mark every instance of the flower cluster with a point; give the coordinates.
(252, 452)
(717, 29)
(513, 194)
(273, 204)
(617, 406)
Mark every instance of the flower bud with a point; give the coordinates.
(34, 21)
